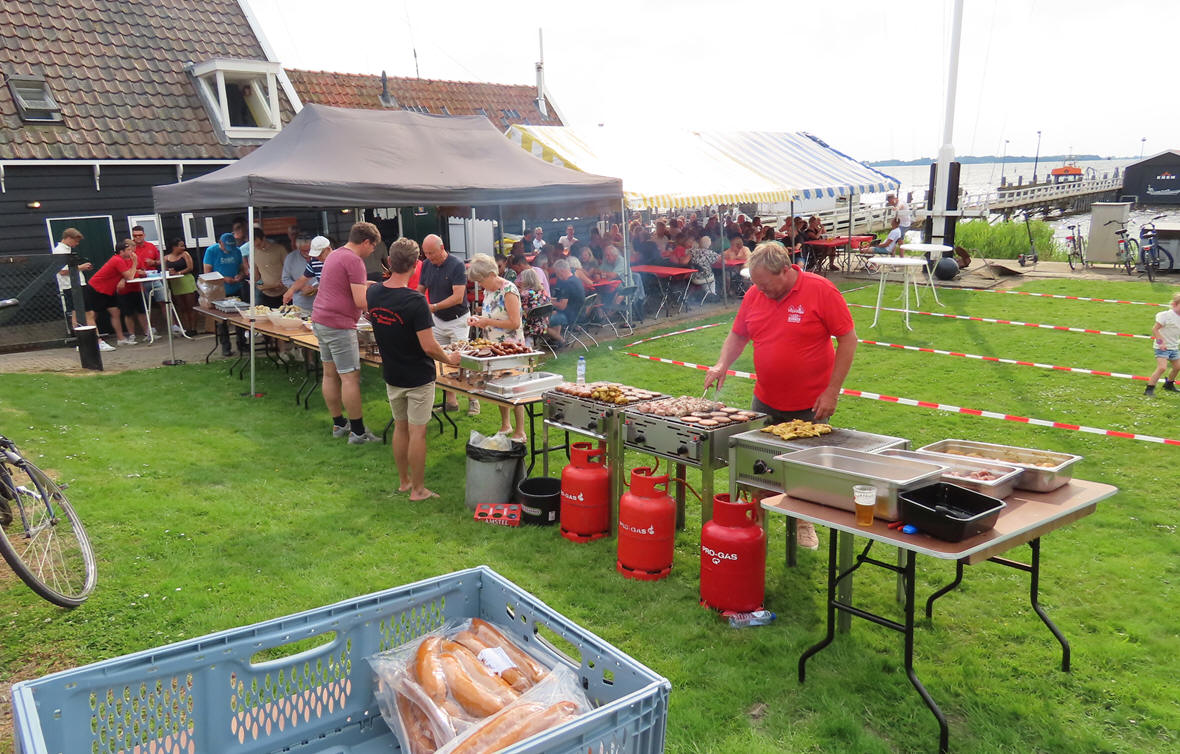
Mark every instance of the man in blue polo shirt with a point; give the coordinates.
(226, 257)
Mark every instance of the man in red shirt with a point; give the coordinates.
(149, 261)
(107, 284)
(791, 316)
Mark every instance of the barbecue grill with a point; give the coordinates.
(751, 454)
(685, 444)
(592, 418)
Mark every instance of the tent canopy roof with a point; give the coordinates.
(676, 168)
(336, 157)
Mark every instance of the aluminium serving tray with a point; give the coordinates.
(1044, 470)
(825, 475)
(517, 385)
(959, 467)
(497, 363)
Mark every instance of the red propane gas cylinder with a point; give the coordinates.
(585, 495)
(733, 557)
(647, 527)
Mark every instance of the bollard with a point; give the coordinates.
(88, 353)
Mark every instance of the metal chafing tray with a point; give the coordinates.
(1044, 470)
(752, 453)
(826, 475)
(497, 363)
(958, 466)
(518, 385)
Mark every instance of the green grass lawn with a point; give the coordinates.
(209, 510)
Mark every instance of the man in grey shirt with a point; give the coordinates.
(293, 267)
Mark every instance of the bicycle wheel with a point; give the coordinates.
(1132, 254)
(1163, 259)
(44, 542)
(1075, 259)
(1149, 263)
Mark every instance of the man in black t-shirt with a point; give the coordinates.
(403, 329)
(444, 281)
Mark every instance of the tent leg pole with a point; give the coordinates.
(253, 287)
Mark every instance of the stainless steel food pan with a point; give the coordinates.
(517, 385)
(826, 475)
(497, 363)
(1044, 470)
(958, 467)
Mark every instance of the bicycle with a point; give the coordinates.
(1150, 251)
(41, 536)
(1128, 248)
(1075, 245)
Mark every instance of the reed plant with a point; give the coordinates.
(1008, 239)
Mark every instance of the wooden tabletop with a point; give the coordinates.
(1027, 515)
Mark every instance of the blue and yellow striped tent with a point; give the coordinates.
(674, 168)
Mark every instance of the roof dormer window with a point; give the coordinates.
(242, 96)
(34, 101)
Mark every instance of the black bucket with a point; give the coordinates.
(540, 498)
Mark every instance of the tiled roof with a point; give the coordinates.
(502, 104)
(117, 69)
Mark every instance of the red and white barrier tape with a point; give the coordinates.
(670, 334)
(1068, 298)
(1007, 322)
(998, 360)
(950, 408)
(731, 372)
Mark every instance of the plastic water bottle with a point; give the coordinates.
(755, 618)
(581, 370)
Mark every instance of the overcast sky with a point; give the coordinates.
(867, 77)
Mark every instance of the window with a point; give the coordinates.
(511, 114)
(443, 109)
(241, 96)
(34, 101)
(482, 112)
(418, 109)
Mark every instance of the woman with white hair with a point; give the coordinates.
(501, 320)
(532, 295)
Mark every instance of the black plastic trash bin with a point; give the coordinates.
(540, 500)
(492, 475)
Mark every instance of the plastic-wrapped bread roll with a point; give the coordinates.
(492, 637)
(479, 673)
(428, 669)
(512, 727)
(474, 698)
(514, 676)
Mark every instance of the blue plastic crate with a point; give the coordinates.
(215, 694)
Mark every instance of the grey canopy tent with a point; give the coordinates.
(334, 157)
(329, 157)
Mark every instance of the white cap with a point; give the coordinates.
(318, 244)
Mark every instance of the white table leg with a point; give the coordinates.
(146, 297)
(880, 292)
(930, 280)
(906, 285)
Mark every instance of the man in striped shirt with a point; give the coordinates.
(307, 284)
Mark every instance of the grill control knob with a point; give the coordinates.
(558, 415)
(682, 450)
(640, 438)
(761, 467)
(592, 424)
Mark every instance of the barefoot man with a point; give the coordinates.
(404, 331)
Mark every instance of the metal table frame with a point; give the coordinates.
(1027, 518)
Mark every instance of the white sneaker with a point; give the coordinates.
(105, 346)
(367, 437)
(126, 342)
(176, 330)
(155, 334)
